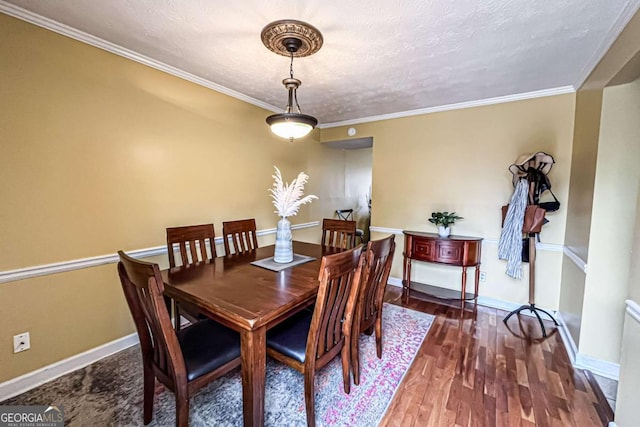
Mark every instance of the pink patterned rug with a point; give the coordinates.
(109, 392)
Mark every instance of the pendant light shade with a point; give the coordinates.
(291, 38)
(291, 125)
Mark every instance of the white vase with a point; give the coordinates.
(284, 247)
(444, 231)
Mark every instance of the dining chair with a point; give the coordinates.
(242, 234)
(368, 313)
(347, 215)
(311, 339)
(191, 241)
(338, 233)
(183, 361)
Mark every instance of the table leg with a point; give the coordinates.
(253, 352)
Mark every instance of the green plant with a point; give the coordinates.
(444, 218)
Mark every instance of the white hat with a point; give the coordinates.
(540, 161)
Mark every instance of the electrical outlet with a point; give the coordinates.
(483, 276)
(21, 342)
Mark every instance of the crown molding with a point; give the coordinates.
(468, 104)
(81, 36)
(78, 264)
(621, 22)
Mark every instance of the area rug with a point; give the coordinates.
(109, 392)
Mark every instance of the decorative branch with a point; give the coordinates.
(287, 198)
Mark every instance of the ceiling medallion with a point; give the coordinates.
(274, 34)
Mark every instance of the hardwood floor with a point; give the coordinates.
(472, 370)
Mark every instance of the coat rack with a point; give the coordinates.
(532, 289)
(527, 166)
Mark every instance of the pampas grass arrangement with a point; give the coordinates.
(287, 198)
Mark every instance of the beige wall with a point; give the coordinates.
(99, 153)
(341, 179)
(358, 175)
(458, 160)
(613, 222)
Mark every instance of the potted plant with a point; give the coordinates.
(443, 220)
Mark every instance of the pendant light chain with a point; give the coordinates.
(295, 92)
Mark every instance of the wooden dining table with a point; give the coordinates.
(250, 300)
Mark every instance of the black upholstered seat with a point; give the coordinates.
(207, 345)
(290, 337)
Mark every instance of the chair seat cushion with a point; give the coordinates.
(207, 345)
(290, 337)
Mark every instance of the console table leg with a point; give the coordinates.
(464, 283)
(477, 282)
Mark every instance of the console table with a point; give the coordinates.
(458, 251)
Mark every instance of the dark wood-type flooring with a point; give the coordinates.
(472, 370)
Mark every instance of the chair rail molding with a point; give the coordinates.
(78, 264)
(577, 260)
(633, 310)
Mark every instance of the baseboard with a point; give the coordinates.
(580, 361)
(567, 340)
(40, 376)
(599, 367)
(484, 301)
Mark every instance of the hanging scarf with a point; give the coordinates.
(510, 244)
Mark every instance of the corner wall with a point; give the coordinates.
(615, 197)
(458, 161)
(579, 206)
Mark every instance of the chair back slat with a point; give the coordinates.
(335, 304)
(379, 257)
(143, 287)
(338, 233)
(345, 214)
(192, 242)
(242, 234)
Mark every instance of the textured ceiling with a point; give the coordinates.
(379, 57)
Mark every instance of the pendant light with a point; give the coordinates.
(293, 39)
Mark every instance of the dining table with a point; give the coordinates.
(251, 300)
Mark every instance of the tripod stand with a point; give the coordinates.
(532, 287)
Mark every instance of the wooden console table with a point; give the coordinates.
(458, 251)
